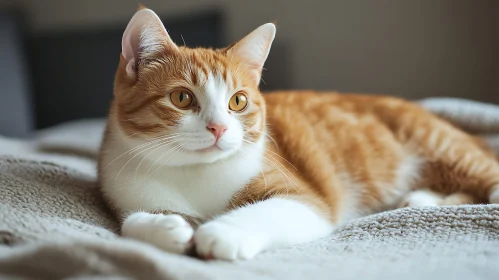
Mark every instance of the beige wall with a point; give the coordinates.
(407, 48)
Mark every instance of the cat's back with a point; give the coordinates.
(342, 125)
(331, 110)
(320, 102)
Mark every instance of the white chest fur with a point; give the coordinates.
(198, 190)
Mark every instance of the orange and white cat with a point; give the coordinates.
(195, 157)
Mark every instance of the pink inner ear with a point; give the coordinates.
(129, 52)
(131, 38)
(131, 45)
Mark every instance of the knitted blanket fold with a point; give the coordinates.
(54, 225)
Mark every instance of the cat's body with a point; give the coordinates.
(285, 168)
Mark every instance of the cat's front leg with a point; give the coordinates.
(246, 231)
(169, 232)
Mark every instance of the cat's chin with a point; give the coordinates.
(203, 156)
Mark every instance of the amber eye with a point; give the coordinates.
(238, 102)
(181, 98)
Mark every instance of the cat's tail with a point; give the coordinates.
(477, 118)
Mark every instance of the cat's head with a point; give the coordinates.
(203, 105)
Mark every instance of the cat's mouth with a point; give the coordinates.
(211, 148)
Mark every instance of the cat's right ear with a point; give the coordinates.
(144, 38)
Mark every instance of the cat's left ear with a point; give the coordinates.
(254, 49)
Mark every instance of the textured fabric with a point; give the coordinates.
(54, 225)
(472, 116)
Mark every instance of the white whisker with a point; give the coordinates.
(283, 159)
(144, 157)
(141, 146)
(280, 170)
(179, 148)
(282, 174)
(155, 145)
(271, 138)
(282, 165)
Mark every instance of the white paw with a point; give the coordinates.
(494, 195)
(220, 240)
(421, 198)
(171, 233)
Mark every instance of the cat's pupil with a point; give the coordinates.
(181, 96)
(237, 100)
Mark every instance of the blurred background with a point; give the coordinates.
(58, 57)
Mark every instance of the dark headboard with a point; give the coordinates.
(16, 116)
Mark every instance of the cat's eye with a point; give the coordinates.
(182, 98)
(238, 102)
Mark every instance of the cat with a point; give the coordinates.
(196, 159)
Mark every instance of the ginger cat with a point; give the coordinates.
(196, 158)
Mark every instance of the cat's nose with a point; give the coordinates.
(217, 129)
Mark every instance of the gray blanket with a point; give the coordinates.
(54, 225)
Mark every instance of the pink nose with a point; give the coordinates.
(217, 129)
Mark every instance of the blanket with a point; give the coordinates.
(54, 224)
